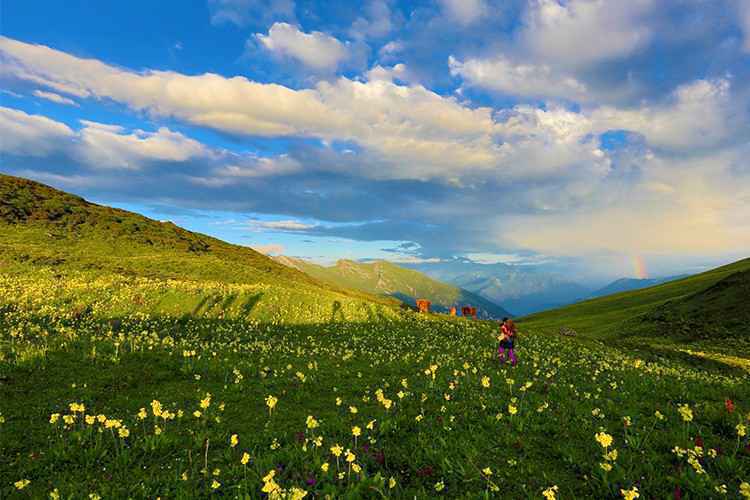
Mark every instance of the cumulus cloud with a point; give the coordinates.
(464, 12)
(580, 32)
(698, 114)
(109, 146)
(522, 79)
(56, 98)
(701, 213)
(316, 50)
(32, 135)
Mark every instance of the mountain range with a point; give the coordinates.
(521, 289)
(388, 279)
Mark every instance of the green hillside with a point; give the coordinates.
(718, 312)
(710, 310)
(45, 232)
(385, 278)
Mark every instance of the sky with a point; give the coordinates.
(599, 138)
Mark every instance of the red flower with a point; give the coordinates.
(729, 405)
(699, 441)
(677, 493)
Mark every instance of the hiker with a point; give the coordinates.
(507, 341)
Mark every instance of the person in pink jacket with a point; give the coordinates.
(507, 341)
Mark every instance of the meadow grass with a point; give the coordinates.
(119, 387)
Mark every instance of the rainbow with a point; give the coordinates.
(639, 267)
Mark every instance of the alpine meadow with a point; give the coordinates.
(287, 249)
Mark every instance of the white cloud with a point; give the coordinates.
(586, 31)
(108, 146)
(316, 50)
(243, 12)
(282, 225)
(464, 12)
(389, 74)
(32, 135)
(699, 114)
(404, 131)
(57, 98)
(377, 21)
(502, 75)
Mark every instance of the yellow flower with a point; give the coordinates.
(217, 472)
(336, 450)
(605, 466)
(54, 494)
(353, 410)
(745, 490)
(54, 418)
(658, 415)
(245, 458)
(155, 408)
(77, 407)
(512, 409)
(741, 430)
(233, 440)
(271, 401)
(339, 401)
(356, 431)
(206, 402)
(350, 457)
(630, 494)
(486, 382)
(296, 493)
(686, 412)
(69, 419)
(356, 468)
(142, 414)
(550, 493)
(371, 424)
(197, 414)
(611, 456)
(487, 471)
(157, 430)
(123, 432)
(439, 486)
(101, 418)
(21, 484)
(604, 439)
(392, 480)
(184, 476)
(324, 467)
(311, 422)
(215, 484)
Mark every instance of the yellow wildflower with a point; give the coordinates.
(604, 439)
(550, 493)
(245, 458)
(234, 440)
(630, 494)
(21, 484)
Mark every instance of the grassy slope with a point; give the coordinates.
(41, 227)
(385, 278)
(711, 305)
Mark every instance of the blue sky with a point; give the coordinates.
(573, 134)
